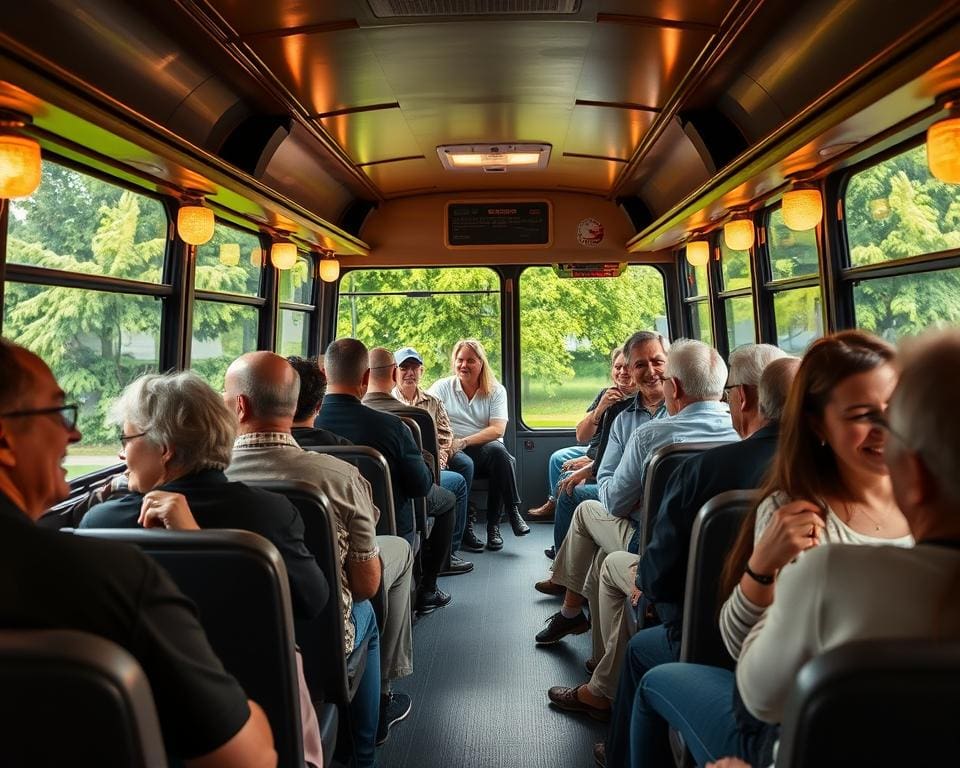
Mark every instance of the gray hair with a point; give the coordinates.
(699, 368)
(923, 408)
(748, 361)
(271, 391)
(345, 361)
(775, 385)
(643, 337)
(180, 411)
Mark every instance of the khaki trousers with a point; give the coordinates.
(616, 584)
(396, 639)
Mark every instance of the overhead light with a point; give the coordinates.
(20, 164)
(802, 208)
(505, 157)
(230, 254)
(738, 234)
(329, 267)
(195, 224)
(943, 145)
(283, 255)
(698, 253)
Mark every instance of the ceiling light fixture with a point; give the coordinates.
(802, 208)
(329, 267)
(195, 223)
(20, 162)
(943, 143)
(739, 234)
(698, 252)
(283, 255)
(485, 157)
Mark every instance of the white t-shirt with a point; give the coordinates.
(467, 416)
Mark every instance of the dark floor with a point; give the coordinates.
(480, 684)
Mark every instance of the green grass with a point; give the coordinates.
(77, 470)
(565, 406)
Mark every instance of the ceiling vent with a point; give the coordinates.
(391, 9)
(494, 158)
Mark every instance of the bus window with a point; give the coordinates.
(568, 328)
(221, 333)
(296, 307)
(697, 293)
(98, 338)
(231, 262)
(737, 296)
(427, 309)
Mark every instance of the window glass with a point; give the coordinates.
(77, 223)
(95, 343)
(798, 314)
(740, 325)
(221, 333)
(230, 262)
(296, 285)
(697, 284)
(427, 309)
(568, 328)
(906, 304)
(792, 254)
(734, 268)
(896, 209)
(700, 327)
(293, 333)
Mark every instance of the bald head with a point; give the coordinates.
(382, 367)
(775, 383)
(269, 387)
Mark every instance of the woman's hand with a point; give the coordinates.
(162, 509)
(571, 465)
(611, 396)
(457, 445)
(793, 528)
(574, 479)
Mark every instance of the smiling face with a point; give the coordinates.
(467, 365)
(620, 373)
(647, 362)
(146, 463)
(409, 375)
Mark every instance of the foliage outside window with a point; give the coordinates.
(215, 268)
(798, 315)
(737, 296)
(696, 279)
(293, 333)
(700, 327)
(296, 284)
(792, 254)
(907, 304)
(738, 313)
(216, 344)
(568, 328)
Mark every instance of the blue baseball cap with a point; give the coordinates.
(405, 353)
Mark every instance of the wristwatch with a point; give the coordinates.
(760, 578)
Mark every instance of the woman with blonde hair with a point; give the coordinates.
(477, 406)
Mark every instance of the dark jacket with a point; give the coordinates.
(311, 437)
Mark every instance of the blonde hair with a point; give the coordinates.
(487, 379)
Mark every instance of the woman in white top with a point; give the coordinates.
(477, 406)
(828, 484)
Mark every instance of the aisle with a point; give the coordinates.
(479, 685)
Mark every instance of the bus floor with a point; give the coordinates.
(479, 685)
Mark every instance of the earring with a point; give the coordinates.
(823, 443)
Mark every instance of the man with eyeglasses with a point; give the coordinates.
(53, 580)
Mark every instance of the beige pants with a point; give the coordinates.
(616, 584)
(396, 639)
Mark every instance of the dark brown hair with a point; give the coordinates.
(313, 385)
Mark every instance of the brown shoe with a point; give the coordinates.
(548, 587)
(566, 699)
(543, 513)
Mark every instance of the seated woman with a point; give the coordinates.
(477, 406)
(588, 432)
(828, 484)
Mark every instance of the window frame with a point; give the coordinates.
(722, 340)
(690, 301)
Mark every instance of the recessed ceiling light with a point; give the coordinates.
(482, 157)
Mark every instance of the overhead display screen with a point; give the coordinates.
(484, 225)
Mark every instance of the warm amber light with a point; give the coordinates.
(507, 158)
(256, 257)
(738, 234)
(19, 166)
(230, 254)
(698, 253)
(329, 270)
(943, 150)
(195, 224)
(283, 255)
(802, 209)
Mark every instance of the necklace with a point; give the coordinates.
(852, 510)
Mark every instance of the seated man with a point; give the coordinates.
(262, 388)
(313, 386)
(115, 591)
(348, 372)
(693, 385)
(383, 371)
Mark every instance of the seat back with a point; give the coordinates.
(239, 584)
(878, 703)
(71, 698)
(374, 468)
(428, 434)
(714, 531)
(662, 464)
(419, 503)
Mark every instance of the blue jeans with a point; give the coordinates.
(454, 482)
(566, 505)
(696, 700)
(365, 707)
(463, 466)
(556, 462)
(647, 649)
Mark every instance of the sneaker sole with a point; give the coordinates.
(381, 742)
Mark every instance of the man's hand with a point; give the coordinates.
(579, 462)
(635, 593)
(457, 445)
(573, 480)
(162, 509)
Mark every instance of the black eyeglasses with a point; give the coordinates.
(726, 391)
(68, 413)
(124, 439)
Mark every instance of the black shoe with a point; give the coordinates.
(456, 567)
(470, 542)
(550, 552)
(558, 628)
(429, 600)
(600, 755)
(394, 707)
(494, 539)
(520, 528)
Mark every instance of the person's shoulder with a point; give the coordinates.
(440, 385)
(121, 512)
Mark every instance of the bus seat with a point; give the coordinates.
(423, 520)
(428, 434)
(239, 584)
(72, 698)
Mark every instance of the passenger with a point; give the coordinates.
(828, 484)
(408, 391)
(696, 481)
(262, 389)
(52, 580)
(313, 386)
(588, 433)
(348, 372)
(383, 370)
(646, 357)
(661, 580)
(477, 405)
(693, 385)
